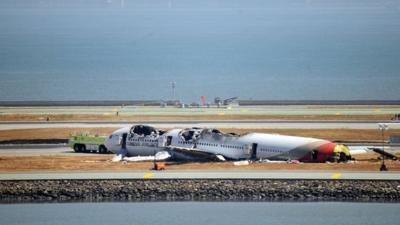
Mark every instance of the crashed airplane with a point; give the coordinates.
(141, 142)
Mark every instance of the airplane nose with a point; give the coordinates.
(108, 143)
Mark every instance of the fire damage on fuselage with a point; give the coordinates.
(198, 137)
(145, 136)
(197, 144)
(143, 130)
(195, 134)
(198, 134)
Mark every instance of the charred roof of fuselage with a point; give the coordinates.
(195, 133)
(144, 130)
(190, 134)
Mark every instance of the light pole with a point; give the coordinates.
(383, 127)
(173, 84)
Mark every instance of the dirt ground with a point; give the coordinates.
(91, 117)
(328, 134)
(368, 162)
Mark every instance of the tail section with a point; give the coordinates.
(342, 153)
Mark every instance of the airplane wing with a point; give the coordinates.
(193, 154)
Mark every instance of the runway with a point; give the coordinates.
(286, 175)
(283, 124)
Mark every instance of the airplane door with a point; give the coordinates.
(253, 152)
(169, 141)
(314, 155)
(123, 141)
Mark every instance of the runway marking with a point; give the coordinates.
(336, 176)
(148, 175)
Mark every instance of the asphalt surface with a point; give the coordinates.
(204, 175)
(283, 124)
(39, 150)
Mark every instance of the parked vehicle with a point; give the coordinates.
(88, 143)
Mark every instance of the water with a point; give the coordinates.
(133, 49)
(229, 213)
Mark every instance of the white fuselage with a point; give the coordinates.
(249, 146)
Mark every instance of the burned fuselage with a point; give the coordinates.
(212, 141)
(144, 140)
(191, 143)
(252, 146)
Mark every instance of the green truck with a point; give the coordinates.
(88, 143)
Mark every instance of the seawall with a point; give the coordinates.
(198, 190)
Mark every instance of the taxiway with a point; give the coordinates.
(283, 124)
